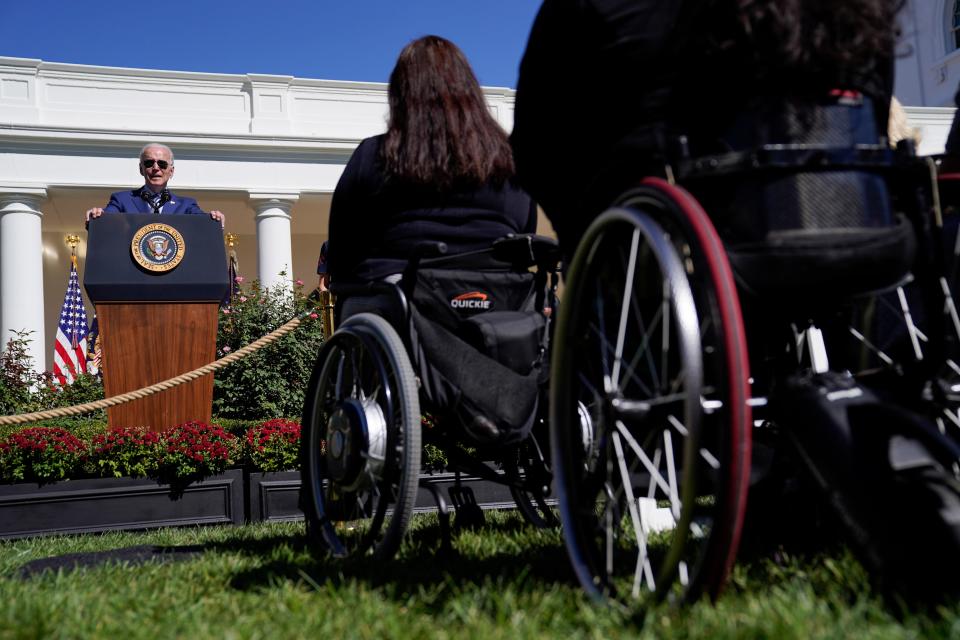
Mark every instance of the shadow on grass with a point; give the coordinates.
(525, 556)
(135, 555)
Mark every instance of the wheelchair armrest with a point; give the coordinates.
(528, 249)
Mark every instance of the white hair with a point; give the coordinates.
(150, 145)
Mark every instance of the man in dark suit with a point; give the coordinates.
(156, 167)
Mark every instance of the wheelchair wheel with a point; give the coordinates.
(361, 440)
(905, 349)
(650, 344)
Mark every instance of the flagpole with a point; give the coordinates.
(72, 241)
(232, 266)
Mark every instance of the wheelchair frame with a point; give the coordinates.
(651, 340)
(362, 424)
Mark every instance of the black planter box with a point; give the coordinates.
(489, 495)
(273, 496)
(105, 504)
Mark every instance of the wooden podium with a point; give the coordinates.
(157, 282)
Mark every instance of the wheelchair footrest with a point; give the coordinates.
(469, 514)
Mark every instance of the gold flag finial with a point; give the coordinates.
(72, 241)
(231, 240)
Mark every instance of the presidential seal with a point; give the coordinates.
(158, 247)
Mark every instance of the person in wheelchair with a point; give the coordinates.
(772, 114)
(431, 248)
(730, 150)
(441, 176)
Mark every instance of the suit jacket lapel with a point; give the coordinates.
(142, 205)
(170, 205)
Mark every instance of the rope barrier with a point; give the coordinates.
(87, 407)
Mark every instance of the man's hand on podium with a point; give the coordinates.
(96, 212)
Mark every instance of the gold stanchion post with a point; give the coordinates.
(326, 313)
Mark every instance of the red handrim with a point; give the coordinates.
(738, 371)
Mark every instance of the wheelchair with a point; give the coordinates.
(453, 352)
(812, 299)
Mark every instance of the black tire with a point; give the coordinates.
(534, 508)
(361, 441)
(532, 503)
(650, 423)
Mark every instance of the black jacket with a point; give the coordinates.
(376, 221)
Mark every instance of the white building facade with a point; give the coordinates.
(267, 150)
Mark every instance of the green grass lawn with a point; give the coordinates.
(507, 580)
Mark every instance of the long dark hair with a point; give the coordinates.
(440, 131)
(816, 35)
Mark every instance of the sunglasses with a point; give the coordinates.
(163, 164)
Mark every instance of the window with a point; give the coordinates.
(955, 26)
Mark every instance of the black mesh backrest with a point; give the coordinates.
(808, 231)
(807, 199)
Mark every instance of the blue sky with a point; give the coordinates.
(330, 39)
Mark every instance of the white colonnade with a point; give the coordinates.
(21, 269)
(274, 249)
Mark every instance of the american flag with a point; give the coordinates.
(70, 350)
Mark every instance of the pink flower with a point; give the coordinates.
(243, 298)
(298, 282)
(238, 279)
(314, 316)
(227, 349)
(226, 312)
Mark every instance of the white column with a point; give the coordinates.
(274, 248)
(21, 269)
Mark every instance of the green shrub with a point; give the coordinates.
(84, 427)
(85, 388)
(132, 452)
(22, 390)
(18, 381)
(235, 426)
(270, 382)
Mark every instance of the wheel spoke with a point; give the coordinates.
(338, 385)
(630, 369)
(639, 532)
(665, 335)
(624, 308)
(652, 487)
(643, 351)
(655, 475)
(671, 474)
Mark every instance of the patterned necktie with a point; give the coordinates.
(155, 200)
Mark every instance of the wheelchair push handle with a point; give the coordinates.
(527, 249)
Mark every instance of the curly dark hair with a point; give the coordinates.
(812, 34)
(440, 132)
